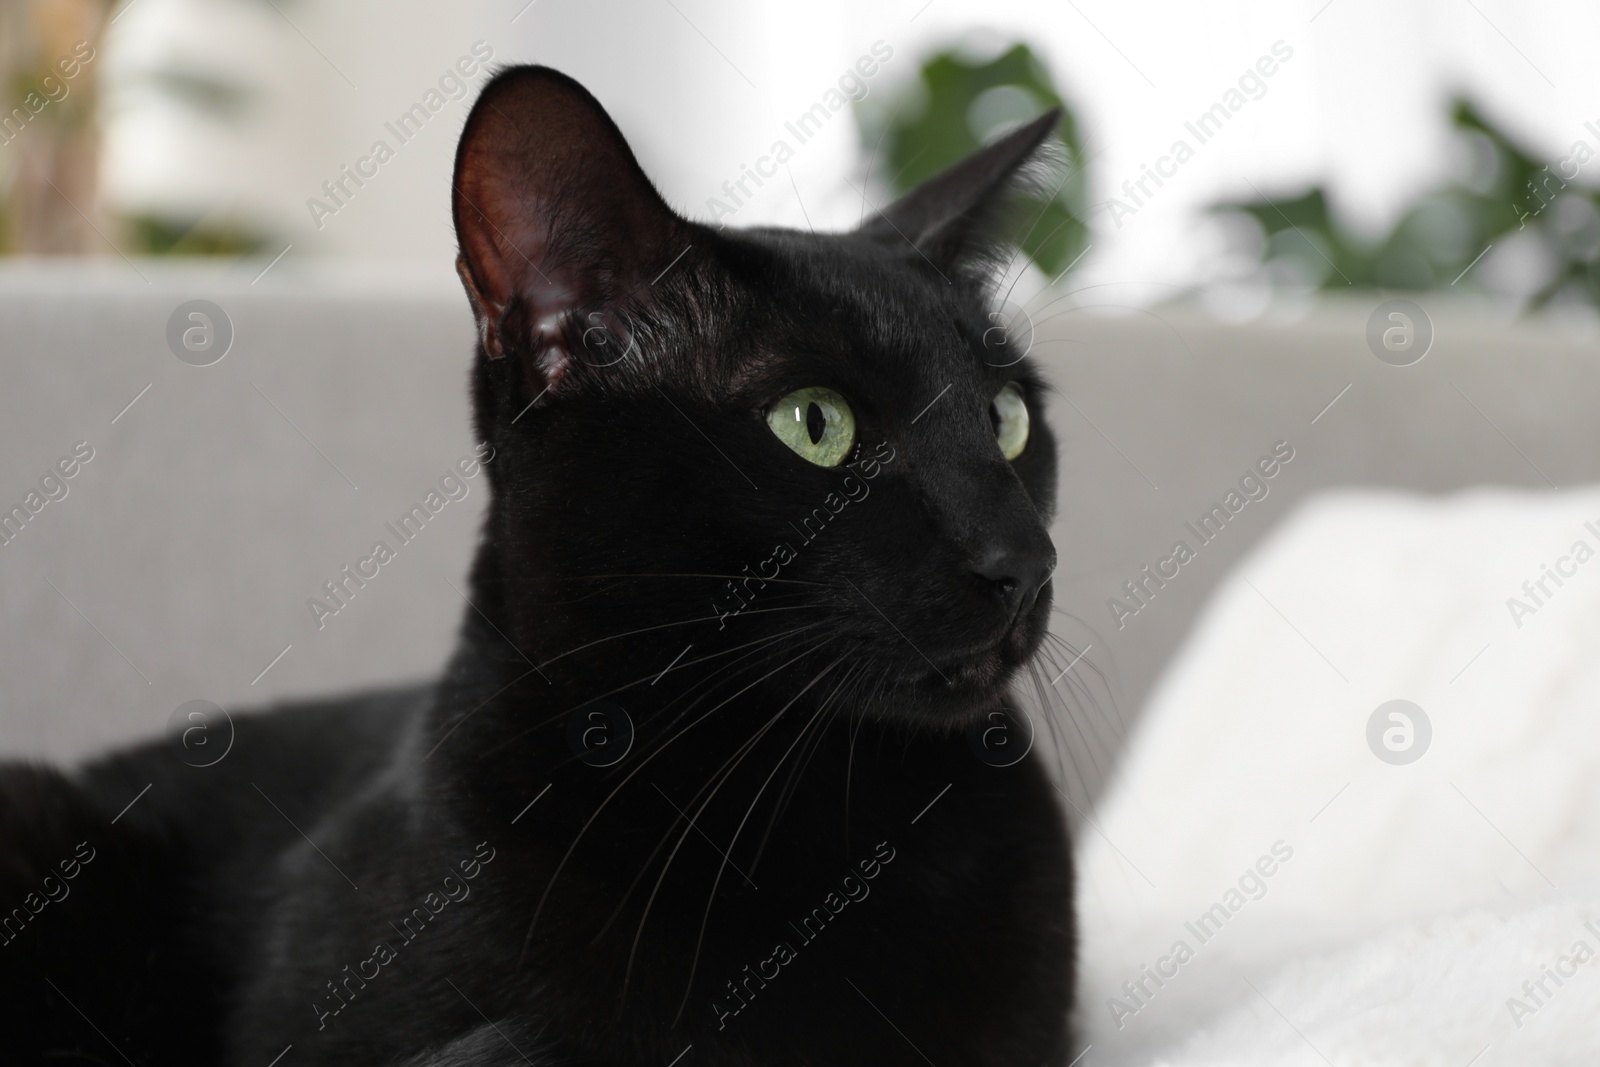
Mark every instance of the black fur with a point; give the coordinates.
(800, 860)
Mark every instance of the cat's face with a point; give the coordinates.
(801, 453)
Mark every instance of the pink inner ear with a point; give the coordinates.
(554, 218)
(482, 313)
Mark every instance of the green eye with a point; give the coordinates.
(1009, 414)
(817, 423)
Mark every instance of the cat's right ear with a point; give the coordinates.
(953, 219)
(560, 230)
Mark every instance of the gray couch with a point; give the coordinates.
(179, 562)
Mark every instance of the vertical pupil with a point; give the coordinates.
(994, 419)
(816, 422)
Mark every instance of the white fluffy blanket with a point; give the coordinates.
(1260, 887)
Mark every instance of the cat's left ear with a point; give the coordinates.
(556, 220)
(952, 217)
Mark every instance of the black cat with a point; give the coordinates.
(767, 542)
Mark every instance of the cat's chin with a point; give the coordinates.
(961, 688)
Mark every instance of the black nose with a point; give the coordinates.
(1016, 573)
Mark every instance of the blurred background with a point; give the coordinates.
(1249, 165)
(1389, 145)
(226, 273)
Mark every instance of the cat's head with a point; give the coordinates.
(764, 457)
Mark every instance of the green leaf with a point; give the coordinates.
(1507, 193)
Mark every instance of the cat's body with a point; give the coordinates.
(149, 935)
(776, 843)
